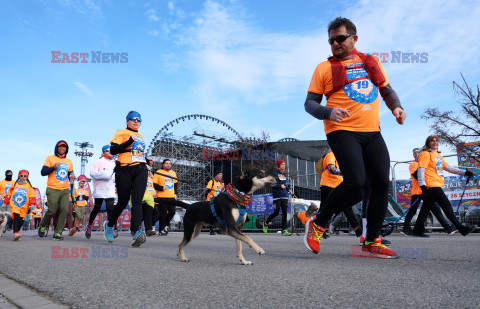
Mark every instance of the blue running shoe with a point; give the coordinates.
(139, 238)
(108, 232)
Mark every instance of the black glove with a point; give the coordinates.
(468, 173)
(424, 190)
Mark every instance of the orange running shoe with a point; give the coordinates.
(313, 235)
(376, 249)
(72, 231)
(17, 236)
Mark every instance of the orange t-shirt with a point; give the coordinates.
(415, 186)
(150, 190)
(136, 151)
(37, 213)
(361, 98)
(81, 193)
(216, 187)
(4, 186)
(58, 179)
(328, 179)
(434, 163)
(20, 198)
(167, 183)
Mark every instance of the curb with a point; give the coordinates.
(25, 297)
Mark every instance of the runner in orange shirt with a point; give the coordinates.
(416, 199)
(431, 180)
(20, 196)
(58, 168)
(353, 83)
(130, 177)
(214, 187)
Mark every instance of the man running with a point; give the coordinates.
(353, 83)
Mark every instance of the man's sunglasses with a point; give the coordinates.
(135, 119)
(339, 38)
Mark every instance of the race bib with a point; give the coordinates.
(361, 91)
(138, 150)
(439, 166)
(282, 177)
(169, 183)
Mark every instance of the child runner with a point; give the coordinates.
(20, 196)
(81, 198)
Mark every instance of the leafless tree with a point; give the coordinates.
(456, 128)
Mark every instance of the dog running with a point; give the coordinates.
(227, 211)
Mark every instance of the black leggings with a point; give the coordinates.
(17, 223)
(37, 222)
(98, 205)
(360, 155)
(166, 207)
(436, 194)
(351, 218)
(279, 204)
(130, 181)
(147, 216)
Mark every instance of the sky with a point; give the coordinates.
(248, 63)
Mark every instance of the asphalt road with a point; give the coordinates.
(441, 271)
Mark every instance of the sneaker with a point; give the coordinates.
(151, 233)
(139, 238)
(108, 232)
(386, 242)
(420, 235)
(325, 236)
(41, 231)
(165, 231)
(212, 232)
(16, 236)
(57, 236)
(286, 233)
(115, 233)
(451, 231)
(162, 233)
(72, 231)
(88, 232)
(377, 249)
(467, 229)
(362, 239)
(265, 228)
(406, 232)
(313, 235)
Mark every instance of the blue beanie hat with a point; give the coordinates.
(133, 114)
(105, 148)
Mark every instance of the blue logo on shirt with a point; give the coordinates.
(62, 172)
(363, 90)
(20, 197)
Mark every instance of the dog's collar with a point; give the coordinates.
(238, 197)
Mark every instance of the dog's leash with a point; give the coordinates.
(182, 180)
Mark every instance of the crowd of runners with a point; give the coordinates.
(356, 168)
